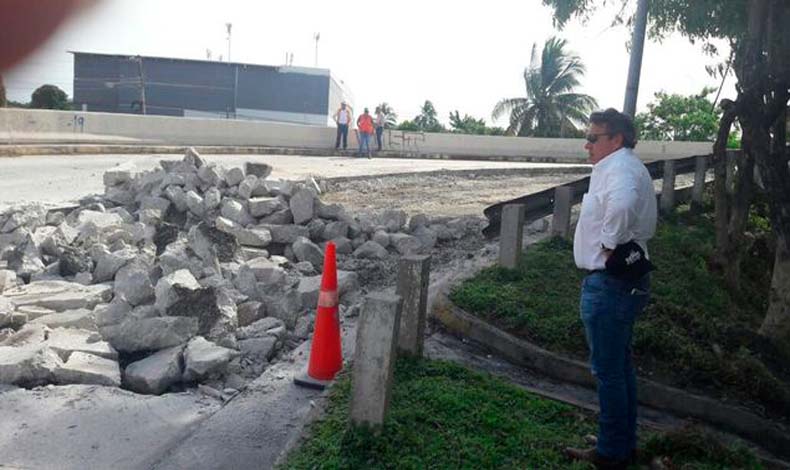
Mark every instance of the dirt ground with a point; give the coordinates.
(448, 194)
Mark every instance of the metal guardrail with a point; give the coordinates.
(541, 203)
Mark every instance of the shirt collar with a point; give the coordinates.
(609, 159)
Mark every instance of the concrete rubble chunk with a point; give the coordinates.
(227, 225)
(59, 295)
(247, 187)
(249, 312)
(133, 283)
(426, 236)
(283, 217)
(173, 287)
(193, 158)
(257, 237)
(266, 271)
(119, 174)
(302, 206)
(279, 187)
(85, 368)
(316, 228)
(7, 309)
(211, 244)
(7, 279)
(65, 341)
(79, 318)
(418, 220)
(108, 263)
(212, 198)
(393, 220)
(28, 366)
(260, 328)
(371, 250)
(235, 211)
(234, 176)
(111, 313)
(74, 260)
(210, 174)
(305, 250)
(177, 196)
(287, 306)
(195, 204)
(343, 245)
(329, 211)
(263, 206)
(382, 238)
(405, 244)
(335, 229)
(258, 349)
(309, 287)
(28, 335)
(202, 358)
(286, 234)
(150, 334)
(261, 170)
(156, 373)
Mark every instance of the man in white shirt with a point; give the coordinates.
(343, 118)
(620, 207)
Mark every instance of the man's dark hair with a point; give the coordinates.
(616, 123)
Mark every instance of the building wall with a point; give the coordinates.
(175, 87)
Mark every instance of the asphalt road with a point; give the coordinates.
(64, 178)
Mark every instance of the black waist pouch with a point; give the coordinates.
(628, 262)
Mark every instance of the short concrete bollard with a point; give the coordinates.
(668, 187)
(511, 235)
(374, 359)
(413, 279)
(698, 190)
(561, 221)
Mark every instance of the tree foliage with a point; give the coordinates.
(391, 118)
(551, 107)
(49, 97)
(678, 117)
(428, 120)
(470, 125)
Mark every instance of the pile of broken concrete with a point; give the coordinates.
(190, 273)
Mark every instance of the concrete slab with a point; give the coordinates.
(93, 427)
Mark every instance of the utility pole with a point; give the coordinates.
(316, 37)
(142, 83)
(635, 66)
(228, 26)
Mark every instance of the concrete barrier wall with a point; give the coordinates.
(19, 126)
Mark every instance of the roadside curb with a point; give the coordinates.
(772, 436)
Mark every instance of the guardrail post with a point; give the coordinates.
(511, 235)
(374, 358)
(413, 279)
(561, 221)
(668, 187)
(697, 192)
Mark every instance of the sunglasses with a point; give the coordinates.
(593, 138)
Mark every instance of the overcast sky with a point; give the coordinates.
(463, 55)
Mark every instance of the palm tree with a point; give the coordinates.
(391, 116)
(551, 108)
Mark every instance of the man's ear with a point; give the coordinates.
(619, 139)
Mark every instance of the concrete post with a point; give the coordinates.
(413, 280)
(700, 169)
(511, 235)
(668, 187)
(561, 221)
(374, 358)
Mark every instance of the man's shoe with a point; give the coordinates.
(591, 456)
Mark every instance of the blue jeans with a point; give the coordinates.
(364, 143)
(379, 132)
(342, 132)
(609, 307)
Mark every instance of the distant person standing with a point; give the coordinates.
(381, 120)
(365, 126)
(343, 118)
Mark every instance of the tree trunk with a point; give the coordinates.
(739, 215)
(777, 319)
(720, 198)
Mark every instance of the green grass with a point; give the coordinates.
(444, 416)
(694, 334)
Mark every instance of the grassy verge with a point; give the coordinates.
(445, 416)
(695, 334)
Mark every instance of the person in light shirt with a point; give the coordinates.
(343, 118)
(620, 207)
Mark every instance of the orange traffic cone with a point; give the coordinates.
(326, 356)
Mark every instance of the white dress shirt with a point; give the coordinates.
(619, 206)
